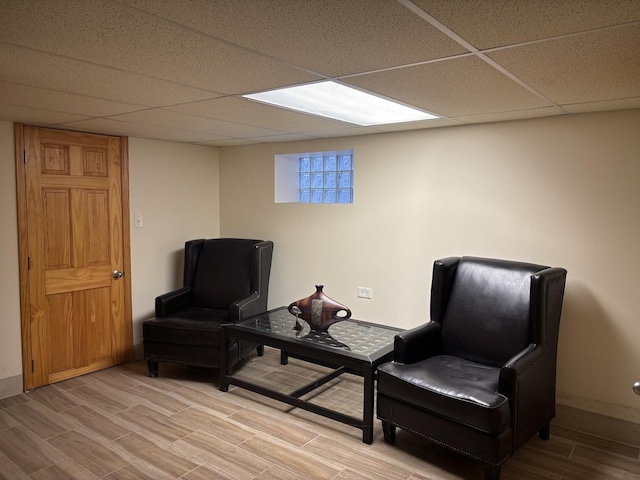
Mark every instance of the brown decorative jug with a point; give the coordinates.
(319, 311)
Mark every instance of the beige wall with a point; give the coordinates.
(174, 185)
(561, 191)
(10, 343)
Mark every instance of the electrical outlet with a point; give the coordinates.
(364, 292)
(138, 220)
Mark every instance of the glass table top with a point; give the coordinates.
(353, 337)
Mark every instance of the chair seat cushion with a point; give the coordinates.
(192, 326)
(453, 387)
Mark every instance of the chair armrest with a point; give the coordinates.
(528, 381)
(245, 307)
(417, 343)
(173, 302)
(517, 367)
(524, 360)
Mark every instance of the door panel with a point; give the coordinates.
(59, 307)
(73, 213)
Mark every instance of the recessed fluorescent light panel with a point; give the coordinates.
(337, 101)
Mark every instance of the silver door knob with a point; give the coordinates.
(636, 388)
(117, 274)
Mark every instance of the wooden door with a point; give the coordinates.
(73, 237)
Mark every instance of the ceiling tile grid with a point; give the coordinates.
(589, 67)
(177, 70)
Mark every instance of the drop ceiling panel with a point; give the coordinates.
(508, 116)
(39, 116)
(348, 132)
(602, 106)
(495, 23)
(330, 37)
(452, 88)
(38, 69)
(284, 137)
(17, 94)
(436, 122)
(181, 121)
(231, 142)
(127, 39)
(247, 112)
(601, 65)
(142, 130)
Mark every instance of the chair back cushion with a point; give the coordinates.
(487, 317)
(223, 273)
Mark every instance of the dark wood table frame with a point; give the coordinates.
(342, 361)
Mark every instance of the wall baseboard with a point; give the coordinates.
(11, 386)
(597, 424)
(138, 352)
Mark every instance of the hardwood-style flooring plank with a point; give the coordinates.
(66, 470)
(220, 427)
(95, 456)
(28, 451)
(278, 473)
(7, 421)
(291, 458)
(233, 460)
(149, 452)
(372, 465)
(52, 397)
(274, 427)
(159, 398)
(205, 472)
(10, 471)
(120, 424)
(100, 423)
(150, 421)
(110, 403)
(139, 471)
(39, 419)
(195, 397)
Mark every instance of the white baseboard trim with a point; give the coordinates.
(138, 352)
(621, 412)
(11, 386)
(602, 419)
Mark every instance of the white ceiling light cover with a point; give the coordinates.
(337, 101)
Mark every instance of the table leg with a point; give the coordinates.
(367, 430)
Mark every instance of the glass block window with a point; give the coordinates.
(326, 178)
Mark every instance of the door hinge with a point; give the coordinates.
(33, 366)
(28, 263)
(24, 156)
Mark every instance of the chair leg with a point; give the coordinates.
(153, 368)
(545, 432)
(492, 472)
(260, 350)
(389, 432)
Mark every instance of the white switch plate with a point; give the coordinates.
(138, 221)
(364, 292)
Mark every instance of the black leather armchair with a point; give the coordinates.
(225, 280)
(479, 378)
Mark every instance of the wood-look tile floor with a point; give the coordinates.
(121, 424)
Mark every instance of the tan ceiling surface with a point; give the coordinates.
(176, 69)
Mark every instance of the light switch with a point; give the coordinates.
(138, 221)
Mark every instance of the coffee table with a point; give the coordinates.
(349, 346)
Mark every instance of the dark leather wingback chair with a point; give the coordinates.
(479, 378)
(225, 280)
